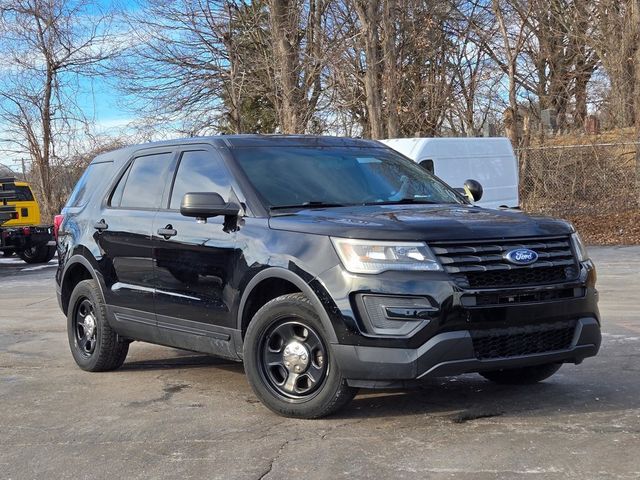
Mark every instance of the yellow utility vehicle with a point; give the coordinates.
(21, 229)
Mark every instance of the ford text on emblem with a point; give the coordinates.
(521, 256)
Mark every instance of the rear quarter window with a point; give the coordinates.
(88, 183)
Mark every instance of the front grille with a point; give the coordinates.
(510, 298)
(517, 341)
(482, 264)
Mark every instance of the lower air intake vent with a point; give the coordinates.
(527, 340)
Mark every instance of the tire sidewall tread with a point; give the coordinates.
(110, 350)
(333, 394)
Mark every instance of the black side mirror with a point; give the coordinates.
(207, 205)
(474, 188)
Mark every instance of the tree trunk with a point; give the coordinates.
(43, 161)
(390, 67)
(368, 13)
(635, 15)
(284, 32)
(580, 94)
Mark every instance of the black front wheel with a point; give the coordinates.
(288, 360)
(95, 346)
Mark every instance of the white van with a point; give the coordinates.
(490, 161)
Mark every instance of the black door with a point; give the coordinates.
(123, 230)
(194, 262)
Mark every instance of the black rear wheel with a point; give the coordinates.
(522, 376)
(38, 254)
(95, 346)
(288, 360)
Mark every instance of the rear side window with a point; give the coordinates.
(199, 171)
(143, 183)
(89, 181)
(23, 194)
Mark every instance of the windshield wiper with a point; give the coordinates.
(312, 204)
(407, 201)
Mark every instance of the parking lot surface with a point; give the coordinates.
(174, 414)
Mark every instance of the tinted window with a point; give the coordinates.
(199, 171)
(339, 175)
(116, 196)
(144, 184)
(89, 181)
(23, 194)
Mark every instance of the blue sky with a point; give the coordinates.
(100, 99)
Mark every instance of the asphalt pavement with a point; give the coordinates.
(173, 414)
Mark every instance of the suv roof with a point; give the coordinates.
(251, 140)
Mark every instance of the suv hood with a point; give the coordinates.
(419, 222)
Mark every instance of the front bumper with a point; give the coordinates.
(450, 353)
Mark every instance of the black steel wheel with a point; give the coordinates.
(84, 327)
(293, 359)
(95, 346)
(289, 363)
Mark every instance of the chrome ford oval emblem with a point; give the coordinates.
(521, 256)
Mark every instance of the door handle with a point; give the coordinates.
(167, 232)
(101, 226)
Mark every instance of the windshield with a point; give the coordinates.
(335, 176)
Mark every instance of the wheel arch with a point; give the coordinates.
(78, 268)
(271, 283)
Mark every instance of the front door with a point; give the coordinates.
(194, 262)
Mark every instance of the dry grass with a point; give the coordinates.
(622, 228)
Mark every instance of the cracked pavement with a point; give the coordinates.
(173, 414)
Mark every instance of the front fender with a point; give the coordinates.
(302, 285)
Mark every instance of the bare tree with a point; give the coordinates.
(48, 45)
(300, 50)
(512, 44)
(616, 39)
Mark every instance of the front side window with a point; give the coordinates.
(143, 183)
(199, 171)
(299, 176)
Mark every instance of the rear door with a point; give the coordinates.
(194, 262)
(123, 232)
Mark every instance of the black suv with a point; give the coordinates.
(324, 264)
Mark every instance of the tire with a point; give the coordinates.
(38, 254)
(95, 346)
(289, 325)
(522, 376)
(8, 253)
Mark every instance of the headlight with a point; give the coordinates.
(372, 256)
(579, 248)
